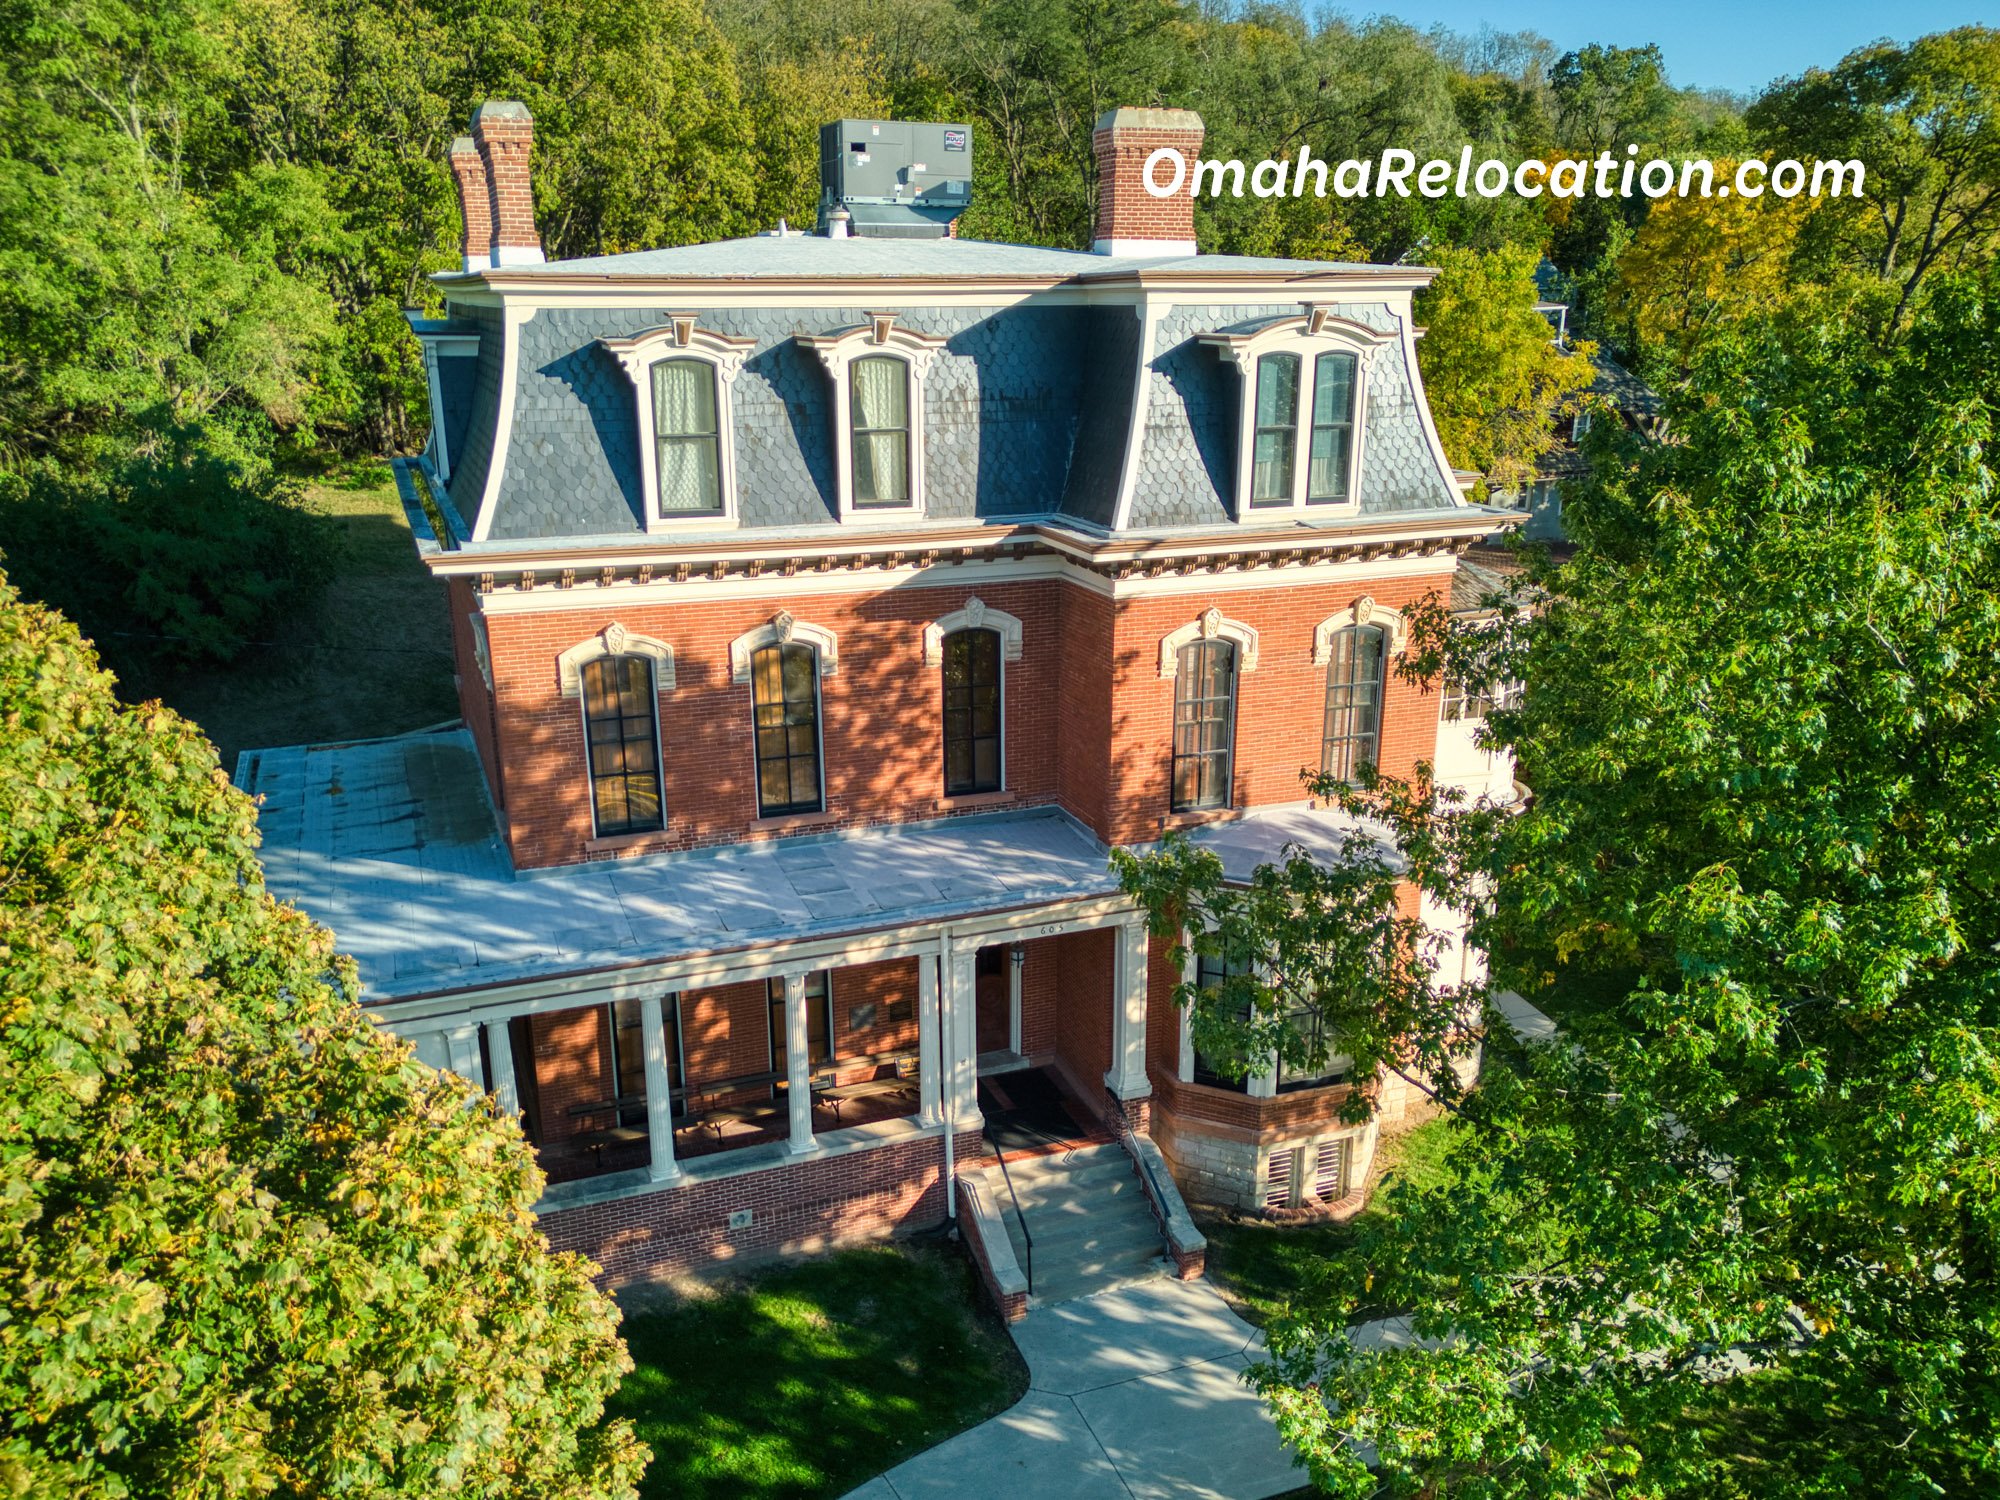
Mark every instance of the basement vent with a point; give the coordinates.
(1330, 1170)
(1278, 1179)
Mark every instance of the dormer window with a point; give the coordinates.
(1300, 440)
(688, 453)
(878, 406)
(683, 375)
(878, 375)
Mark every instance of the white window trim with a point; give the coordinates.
(1210, 625)
(1363, 611)
(614, 640)
(482, 647)
(1314, 332)
(782, 629)
(681, 338)
(976, 615)
(837, 351)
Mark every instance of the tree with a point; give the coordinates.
(1925, 121)
(1735, 1232)
(1698, 263)
(1495, 377)
(247, 1245)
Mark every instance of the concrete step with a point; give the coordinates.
(1112, 1240)
(1035, 1175)
(1067, 1284)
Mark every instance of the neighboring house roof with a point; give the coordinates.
(393, 843)
(1624, 390)
(1482, 573)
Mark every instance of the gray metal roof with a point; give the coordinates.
(813, 255)
(1267, 835)
(392, 844)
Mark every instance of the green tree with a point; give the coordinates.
(1494, 375)
(1734, 1233)
(1925, 122)
(248, 1246)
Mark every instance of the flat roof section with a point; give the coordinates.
(393, 845)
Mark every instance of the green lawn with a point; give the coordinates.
(807, 1379)
(1262, 1266)
(372, 658)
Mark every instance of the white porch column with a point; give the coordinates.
(798, 1070)
(930, 1050)
(462, 1046)
(1184, 1058)
(1264, 1085)
(500, 1060)
(1017, 959)
(1127, 1076)
(659, 1093)
(961, 1037)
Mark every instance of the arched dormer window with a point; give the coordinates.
(618, 676)
(683, 376)
(878, 375)
(1299, 438)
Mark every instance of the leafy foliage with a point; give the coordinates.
(1760, 1169)
(248, 1245)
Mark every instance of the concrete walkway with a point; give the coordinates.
(1135, 1393)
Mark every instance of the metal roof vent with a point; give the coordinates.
(897, 180)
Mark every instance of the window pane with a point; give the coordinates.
(684, 426)
(1333, 428)
(784, 686)
(973, 716)
(1204, 724)
(622, 736)
(1278, 390)
(879, 414)
(1209, 975)
(1353, 700)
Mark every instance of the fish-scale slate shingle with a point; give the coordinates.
(1104, 419)
(1187, 456)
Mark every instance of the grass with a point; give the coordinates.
(1262, 1267)
(373, 657)
(805, 1380)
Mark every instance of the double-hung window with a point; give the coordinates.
(879, 416)
(687, 438)
(628, 1061)
(1356, 659)
(1332, 1067)
(1275, 452)
(1330, 455)
(1204, 724)
(1209, 974)
(972, 712)
(621, 733)
(784, 681)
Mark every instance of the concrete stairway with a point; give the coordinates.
(1088, 1214)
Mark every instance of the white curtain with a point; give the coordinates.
(880, 392)
(684, 428)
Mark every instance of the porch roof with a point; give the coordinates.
(1263, 835)
(393, 844)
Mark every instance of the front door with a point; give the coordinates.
(992, 1000)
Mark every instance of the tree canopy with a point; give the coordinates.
(248, 1246)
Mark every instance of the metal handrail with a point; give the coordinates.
(1019, 1217)
(1155, 1199)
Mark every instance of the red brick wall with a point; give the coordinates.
(1083, 1008)
(1280, 708)
(880, 715)
(859, 1195)
(1041, 997)
(475, 703)
(1083, 709)
(1125, 210)
(572, 1067)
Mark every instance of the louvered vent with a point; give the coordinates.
(1330, 1170)
(1278, 1179)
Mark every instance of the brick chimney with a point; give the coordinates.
(504, 133)
(1130, 220)
(475, 204)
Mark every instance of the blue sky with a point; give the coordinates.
(1708, 44)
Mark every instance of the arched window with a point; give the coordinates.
(784, 685)
(972, 712)
(1204, 724)
(622, 741)
(1276, 437)
(1329, 465)
(687, 438)
(1355, 660)
(879, 414)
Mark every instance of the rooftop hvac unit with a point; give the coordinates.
(896, 179)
